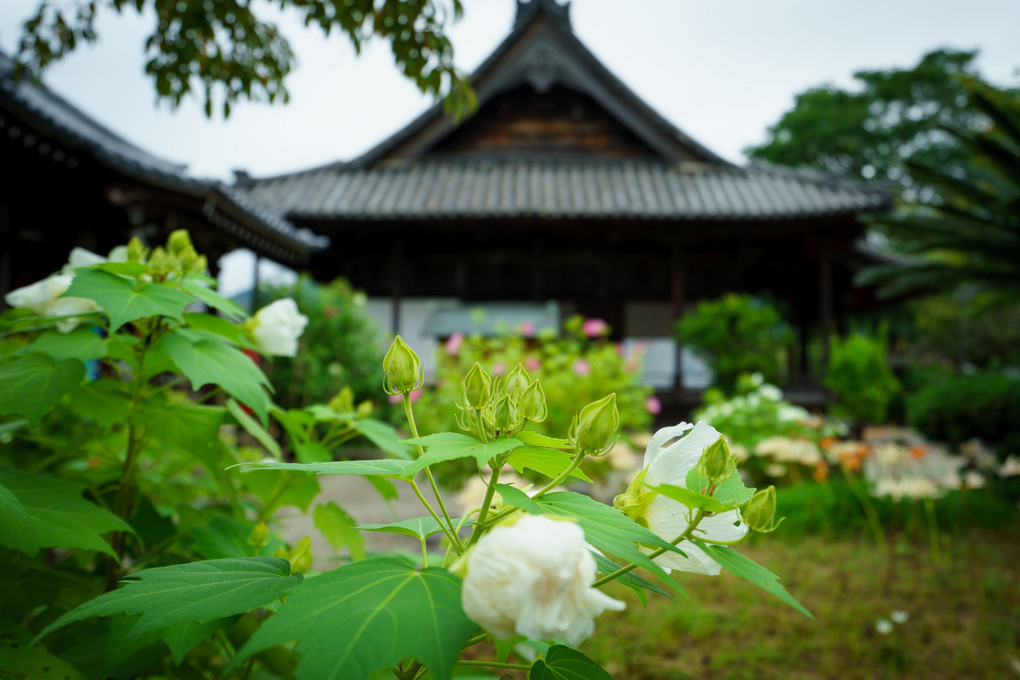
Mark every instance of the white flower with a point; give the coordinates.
(1010, 467)
(770, 392)
(534, 578)
(884, 626)
(668, 518)
(277, 327)
(43, 298)
(899, 616)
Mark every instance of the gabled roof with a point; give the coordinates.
(407, 176)
(24, 104)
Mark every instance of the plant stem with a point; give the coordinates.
(632, 566)
(562, 476)
(409, 413)
(490, 491)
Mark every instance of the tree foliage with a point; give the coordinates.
(894, 115)
(224, 50)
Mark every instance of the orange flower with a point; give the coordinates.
(918, 452)
(827, 443)
(821, 472)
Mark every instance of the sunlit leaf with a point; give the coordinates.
(692, 499)
(548, 462)
(419, 527)
(339, 529)
(82, 344)
(566, 663)
(124, 300)
(254, 428)
(386, 467)
(450, 446)
(748, 569)
(213, 299)
(384, 436)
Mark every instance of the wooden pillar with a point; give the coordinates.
(396, 264)
(676, 277)
(255, 285)
(538, 271)
(825, 304)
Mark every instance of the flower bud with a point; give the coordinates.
(343, 401)
(161, 262)
(761, 511)
(714, 463)
(532, 404)
(477, 387)
(635, 500)
(301, 556)
(593, 428)
(402, 369)
(179, 241)
(188, 259)
(259, 536)
(504, 414)
(517, 381)
(365, 408)
(136, 251)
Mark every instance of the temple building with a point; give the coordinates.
(566, 192)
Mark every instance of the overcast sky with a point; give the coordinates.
(721, 70)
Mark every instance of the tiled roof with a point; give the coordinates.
(451, 188)
(55, 117)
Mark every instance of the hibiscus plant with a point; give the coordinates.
(142, 538)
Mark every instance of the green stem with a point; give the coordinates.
(562, 476)
(633, 565)
(869, 511)
(424, 501)
(490, 491)
(495, 664)
(409, 413)
(424, 554)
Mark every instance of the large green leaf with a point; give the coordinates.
(18, 661)
(384, 436)
(254, 428)
(450, 446)
(193, 428)
(33, 385)
(59, 516)
(339, 529)
(369, 615)
(224, 537)
(419, 527)
(548, 462)
(732, 492)
(16, 530)
(286, 487)
(213, 299)
(606, 528)
(82, 344)
(692, 499)
(566, 663)
(105, 401)
(188, 593)
(209, 362)
(632, 580)
(386, 467)
(537, 439)
(748, 569)
(124, 300)
(217, 326)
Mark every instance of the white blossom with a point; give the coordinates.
(43, 298)
(277, 327)
(899, 616)
(534, 578)
(884, 626)
(668, 518)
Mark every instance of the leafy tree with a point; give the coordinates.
(968, 232)
(224, 46)
(896, 114)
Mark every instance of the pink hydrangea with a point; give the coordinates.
(498, 368)
(653, 405)
(582, 367)
(593, 328)
(453, 343)
(528, 329)
(532, 364)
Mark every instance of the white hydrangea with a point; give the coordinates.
(277, 327)
(668, 518)
(534, 578)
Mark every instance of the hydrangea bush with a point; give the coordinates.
(133, 529)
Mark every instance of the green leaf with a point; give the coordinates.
(60, 517)
(386, 467)
(566, 663)
(449, 446)
(749, 570)
(82, 344)
(731, 492)
(607, 529)
(133, 269)
(213, 299)
(384, 436)
(209, 362)
(384, 488)
(194, 428)
(419, 527)
(630, 579)
(369, 615)
(123, 300)
(224, 537)
(18, 661)
(254, 428)
(217, 326)
(548, 462)
(284, 488)
(536, 439)
(692, 499)
(339, 529)
(104, 401)
(513, 496)
(188, 593)
(16, 530)
(32, 386)
(184, 636)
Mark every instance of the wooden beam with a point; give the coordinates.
(676, 277)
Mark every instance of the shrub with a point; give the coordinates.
(984, 405)
(860, 375)
(736, 334)
(340, 346)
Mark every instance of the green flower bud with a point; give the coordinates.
(715, 462)
(136, 250)
(301, 556)
(343, 401)
(179, 241)
(365, 408)
(516, 382)
(477, 387)
(635, 500)
(188, 259)
(761, 511)
(259, 536)
(402, 369)
(504, 415)
(201, 264)
(161, 262)
(532, 404)
(593, 428)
